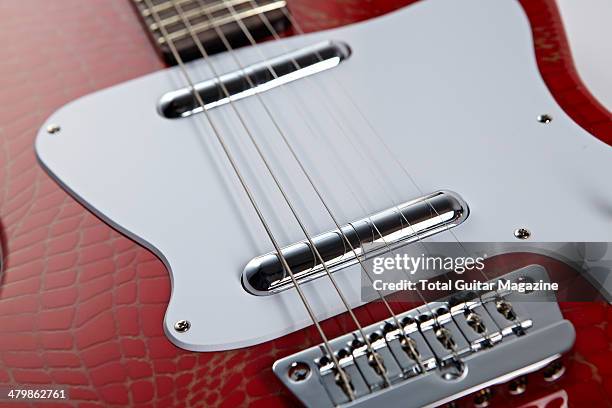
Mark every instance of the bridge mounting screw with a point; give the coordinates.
(554, 371)
(53, 129)
(545, 118)
(483, 398)
(522, 233)
(298, 371)
(182, 326)
(518, 386)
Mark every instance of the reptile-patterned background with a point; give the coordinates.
(81, 306)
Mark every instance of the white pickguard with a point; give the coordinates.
(452, 87)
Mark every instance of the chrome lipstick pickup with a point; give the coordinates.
(256, 78)
(441, 351)
(392, 228)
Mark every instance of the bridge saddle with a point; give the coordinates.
(442, 351)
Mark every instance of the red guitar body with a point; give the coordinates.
(81, 306)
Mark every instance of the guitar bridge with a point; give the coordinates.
(442, 351)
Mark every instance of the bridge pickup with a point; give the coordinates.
(444, 350)
(253, 79)
(398, 226)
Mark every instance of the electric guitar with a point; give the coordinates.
(264, 171)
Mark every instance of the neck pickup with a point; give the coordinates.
(253, 79)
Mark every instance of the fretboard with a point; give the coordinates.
(203, 17)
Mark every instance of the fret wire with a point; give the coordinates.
(207, 25)
(197, 12)
(160, 7)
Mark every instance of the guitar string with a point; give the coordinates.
(289, 146)
(332, 216)
(263, 17)
(394, 317)
(408, 342)
(276, 36)
(313, 247)
(230, 49)
(381, 140)
(292, 151)
(338, 123)
(273, 31)
(369, 124)
(340, 371)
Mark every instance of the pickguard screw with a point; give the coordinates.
(298, 371)
(53, 128)
(182, 326)
(522, 233)
(545, 118)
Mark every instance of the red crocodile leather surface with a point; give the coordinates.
(81, 306)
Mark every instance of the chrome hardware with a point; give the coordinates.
(522, 233)
(453, 370)
(288, 68)
(182, 326)
(510, 318)
(476, 325)
(298, 371)
(483, 398)
(442, 333)
(399, 226)
(409, 347)
(331, 378)
(505, 308)
(446, 338)
(554, 371)
(53, 129)
(475, 322)
(518, 386)
(442, 351)
(545, 118)
(371, 371)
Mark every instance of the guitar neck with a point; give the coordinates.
(207, 19)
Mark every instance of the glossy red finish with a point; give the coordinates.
(81, 306)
